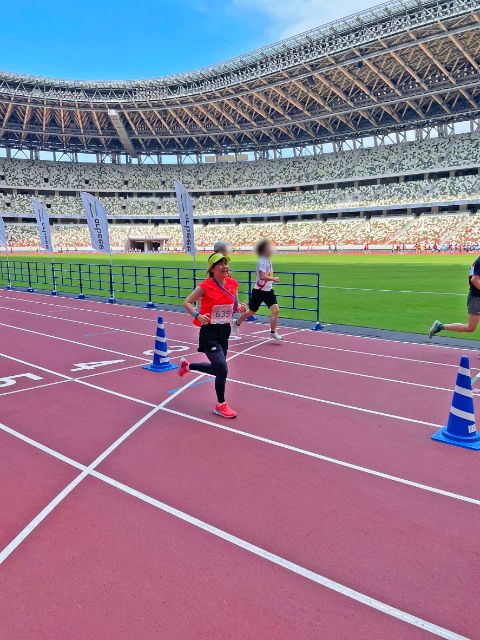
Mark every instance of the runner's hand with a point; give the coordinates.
(204, 319)
(276, 279)
(242, 307)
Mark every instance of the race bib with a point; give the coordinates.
(222, 314)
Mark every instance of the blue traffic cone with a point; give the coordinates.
(461, 430)
(161, 361)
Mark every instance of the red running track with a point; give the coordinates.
(323, 511)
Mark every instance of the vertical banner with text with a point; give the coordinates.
(185, 211)
(43, 225)
(3, 234)
(97, 222)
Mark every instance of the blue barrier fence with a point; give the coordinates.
(298, 293)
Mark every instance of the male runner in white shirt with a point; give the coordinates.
(263, 291)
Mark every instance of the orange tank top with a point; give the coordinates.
(214, 295)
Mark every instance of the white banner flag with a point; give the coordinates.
(185, 210)
(3, 235)
(97, 222)
(43, 225)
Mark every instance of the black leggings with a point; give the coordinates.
(218, 367)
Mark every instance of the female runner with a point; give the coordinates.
(218, 302)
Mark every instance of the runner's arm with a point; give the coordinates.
(189, 305)
(476, 281)
(241, 306)
(267, 278)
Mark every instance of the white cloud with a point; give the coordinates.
(289, 17)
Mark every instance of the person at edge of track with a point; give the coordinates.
(263, 291)
(223, 246)
(473, 307)
(218, 302)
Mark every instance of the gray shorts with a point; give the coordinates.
(473, 305)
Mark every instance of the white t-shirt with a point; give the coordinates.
(264, 265)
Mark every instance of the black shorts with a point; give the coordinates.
(258, 296)
(214, 337)
(473, 305)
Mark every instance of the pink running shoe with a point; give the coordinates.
(224, 410)
(184, 367)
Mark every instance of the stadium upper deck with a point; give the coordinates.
(403, 64)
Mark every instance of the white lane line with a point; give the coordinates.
(81, 344)
(77, 380)
(32, 525)
(266, 388)
(475, 343)
(153, 312)
(285, 446)
(90, 324)
(113, 393)
(349, 373)
(251, 436)
(117, 330)
(433, 293)
(41, 447)
(90, 375)
(323, 458)
(39, 386)
(319, 579)
(369, 353)
(334, 404)
(429, 345)
(260, 552)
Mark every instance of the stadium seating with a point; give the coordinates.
(424, 230)
(145, 191)
(403, 193)
(408, 157)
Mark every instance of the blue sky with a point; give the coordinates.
(119, 39)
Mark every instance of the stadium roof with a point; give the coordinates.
(403, 64)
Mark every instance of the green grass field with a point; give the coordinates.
(399, 292)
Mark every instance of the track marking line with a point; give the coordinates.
(106, 313)
(369, 353)
(77, 380)
(246, 434)
(41, 447)
(32, 525)
(350, 373)
(112, 330)
(80, 344)
(90, 375)
(90, 324)
(335, 404)
(287, 564)
(39, 386)
(434, 293)
(113, 393)
(323, 458)
(325, 324)
(257, 386)
(99, 333)
(429, 345)
(260, 552)
(282, 445)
